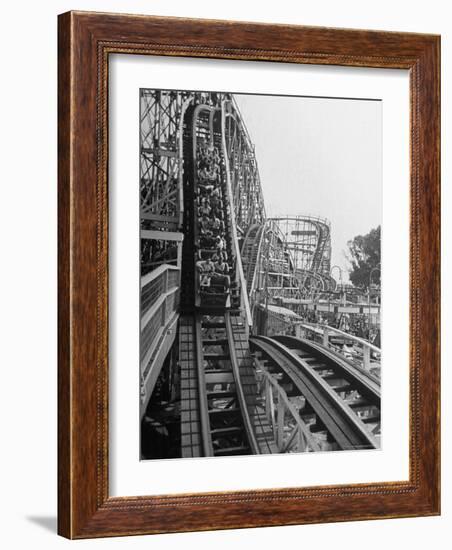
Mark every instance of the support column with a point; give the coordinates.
(366, 357)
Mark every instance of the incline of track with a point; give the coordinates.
(250, 253)
(324, 409)
(215, 416)
(338, 404)
(226, 427)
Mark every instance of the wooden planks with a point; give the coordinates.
(190, 423)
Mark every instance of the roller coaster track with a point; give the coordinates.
(325, 282)
(225, 424)
(339, 404)
(261, 241)
(215, 417)
(363, 389)
(324, 234)
(251, 249)
(308, 238)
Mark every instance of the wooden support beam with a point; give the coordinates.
(159, 151)
(280, 420)
(159, 218)
(162, 235)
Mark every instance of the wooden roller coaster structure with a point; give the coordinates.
(221, 215)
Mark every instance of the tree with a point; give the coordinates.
(365, 255)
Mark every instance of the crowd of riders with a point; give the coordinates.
(213, 264)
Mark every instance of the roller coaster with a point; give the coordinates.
(309, 240)
(212, 383)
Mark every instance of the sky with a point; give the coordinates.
(322, 157)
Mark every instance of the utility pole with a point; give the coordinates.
(370, 284)
(340, 279)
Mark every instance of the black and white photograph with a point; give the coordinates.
(260, 274)
(225, 275)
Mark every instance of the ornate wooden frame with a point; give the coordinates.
(85, 42)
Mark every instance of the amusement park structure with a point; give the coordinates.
(220, 375)
(308, 238)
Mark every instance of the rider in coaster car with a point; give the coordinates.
(213, 174)
(206, 269)
(216, 225)
(205, 209)
(221, 274)
(220, 244)
(206, 226)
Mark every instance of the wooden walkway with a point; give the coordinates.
(190, 424)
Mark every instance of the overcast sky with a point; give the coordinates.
(319, 156)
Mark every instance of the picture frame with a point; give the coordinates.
(86, 40)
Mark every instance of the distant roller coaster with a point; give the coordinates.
(308, 239)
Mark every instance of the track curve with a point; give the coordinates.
(330, 414)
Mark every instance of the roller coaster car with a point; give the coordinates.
(214, 300)
(213, 294)
(210, 216)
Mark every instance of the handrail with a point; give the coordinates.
(293, 411)
(325, 330)
(257, 266)
(247, 235)
(181, 156)
(342, 333)
(155, 273)
(233, 219)
(157, 307)
(260, 234)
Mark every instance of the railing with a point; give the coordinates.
(241, 276)
(255, 275)
(290, 433)
(159, 304)
(323, 333)
(185, 105)
(239, 388)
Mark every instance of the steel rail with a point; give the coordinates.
(233, 218)
(260, 238)
(239, 388)
(184, 108)
(202, 392)
(254, 237)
